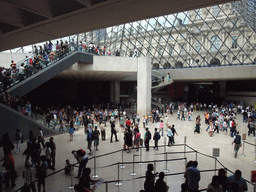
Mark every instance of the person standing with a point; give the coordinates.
(128, 123)
(11, 172)
(174, 132)
(170, 136)
(41, 173)
(103, 132)
(161, 185)
(89, 140)
(6, 144)
(96, 135)
(193, 175)
(161, 127)
(239, 180)
(156, 138)
(147, 137)
(113, 131)
(71, 130)
(215, 186)
(198, 123)
(150, 179)
(41, 137)
(48, 153)
(251, 127)
(29, 175)
(53, 154)
(237, 141)
(18, 137)
(233, 128)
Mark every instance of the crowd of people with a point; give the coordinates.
(94, 121)
(44, 55)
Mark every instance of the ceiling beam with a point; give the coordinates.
(12, 22)
(30, 10)
(86, 3)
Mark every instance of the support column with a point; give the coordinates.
(222, 89)
(111, 92)
(117, 91)
(114, 91)
(144, 85)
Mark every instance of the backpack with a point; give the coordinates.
(81, 152)
(149, 136)
(238, 139)
(158, 136)
(91, 136)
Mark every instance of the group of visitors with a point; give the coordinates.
(36, 164)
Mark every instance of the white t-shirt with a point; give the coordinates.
(48, 152)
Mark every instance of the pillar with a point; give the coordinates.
(117, 91)
(222, 89)
(111, 92)
(144, 85)
(114, 91)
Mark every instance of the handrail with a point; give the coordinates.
(249, 143)
(205, 66)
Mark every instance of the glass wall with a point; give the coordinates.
(217, 35)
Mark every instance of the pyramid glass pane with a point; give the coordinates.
(191, 38)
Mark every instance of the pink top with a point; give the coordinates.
(161, 125)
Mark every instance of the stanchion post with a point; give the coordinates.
(133, 173)
(94, 175)
(185, 142)
(196, 155)
(186, 161)
(118, 176)
(164, 144)
(122, 166)
(72, 175)
(155, 166)
(140, 156)
(255, 152)
(243, 150)
(166, 170)
(215, 167)
(106, 187)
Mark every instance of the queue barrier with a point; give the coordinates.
(245, 142)
(119, 165)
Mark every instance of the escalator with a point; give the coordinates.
(31, 82)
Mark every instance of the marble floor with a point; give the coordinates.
(107, 166)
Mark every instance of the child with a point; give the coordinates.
(68, 167)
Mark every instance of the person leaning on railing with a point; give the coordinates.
(84, 182)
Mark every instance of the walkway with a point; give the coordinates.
(203, 143)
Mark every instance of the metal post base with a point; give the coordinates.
(166, 170)
(95, 176)
(254, 161)
(122, 166)
(71, 187)
(243, 155)
(141, 163)
(133, 173)
(119, 184)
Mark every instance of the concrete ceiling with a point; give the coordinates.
(91, 75)
(24, 22)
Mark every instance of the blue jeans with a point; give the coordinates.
(161, 129)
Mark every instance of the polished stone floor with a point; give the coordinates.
(107, 166)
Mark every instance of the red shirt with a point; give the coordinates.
(128, 122)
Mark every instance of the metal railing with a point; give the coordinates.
(121, 164)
